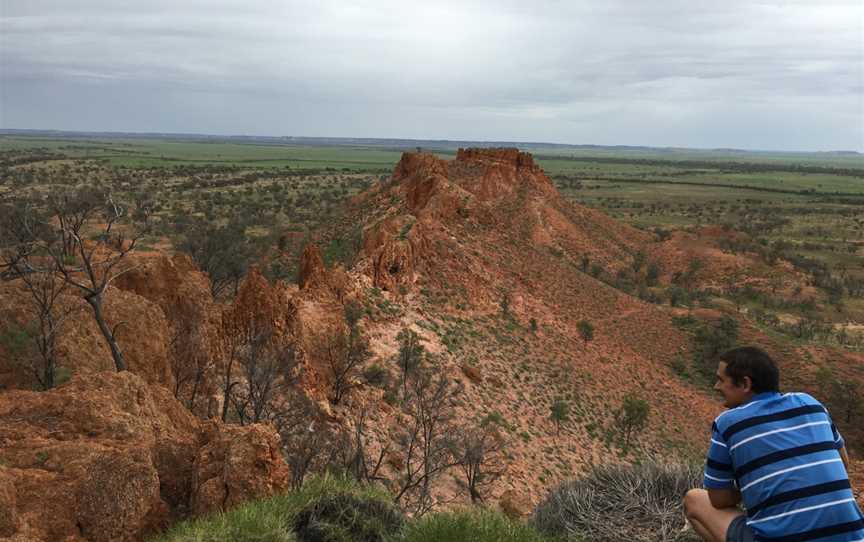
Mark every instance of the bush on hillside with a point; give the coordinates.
(474, 525)
(272, 519)
(330, 508)
(613, 503)
(346, 517)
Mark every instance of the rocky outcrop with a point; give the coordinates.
(236, 462)
(313, 272)
(142, 332)
(109, 457)
(316, 280)
(491, 174)
(395, 247)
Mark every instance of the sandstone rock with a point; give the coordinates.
(317, 281)
(236, 462)
(109, 457)
(312, 269)
(9, 522)
(473, 373)
(515, 505)
(81, 348)
(120, 499)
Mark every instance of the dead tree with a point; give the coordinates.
(342, 354)
(480, 454)
(354, 452)
(267, 368)
(189, 364)
(92, 266)
(45, 291)
(19, 258)
(57, 243)
(426, 442)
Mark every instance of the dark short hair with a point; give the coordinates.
(755, 363)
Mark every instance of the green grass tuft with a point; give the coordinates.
(474, 525)
(267, 520)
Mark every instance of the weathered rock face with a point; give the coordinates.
(182, 291)
(141, 328)
(234, 463)
(312, 269)
(491, 174)
(109, 457)
(395, 247)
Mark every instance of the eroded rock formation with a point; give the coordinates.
(110, 458)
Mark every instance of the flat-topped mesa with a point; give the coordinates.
(497, 173)
(489, 174)
(501, 155)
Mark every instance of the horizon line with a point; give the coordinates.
(488, 142)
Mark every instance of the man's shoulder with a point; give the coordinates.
(761, 408)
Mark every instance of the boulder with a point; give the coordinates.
(108, 456)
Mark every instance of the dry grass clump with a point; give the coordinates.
(614, 502)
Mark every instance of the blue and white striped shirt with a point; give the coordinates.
(782, 452)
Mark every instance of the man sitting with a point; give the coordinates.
(779, 454)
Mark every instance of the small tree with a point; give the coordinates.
(21, 227)
(504, 303)
(425, 444)
(267, 366)
(586, 330)
(45, 291)
(410, 355)
(584, 263)
(844, 395)
(631, 418)
(480, 455)
(84, 250)
(223, 252)
(652, 275)
(343, 355)
(189, 364)
(559, 413)
(638, 261)
(711, 340)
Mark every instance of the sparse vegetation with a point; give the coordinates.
(586, 330)
(194, 208)
(631, 419)
(335, 507)
(559, 413)
(641, 503)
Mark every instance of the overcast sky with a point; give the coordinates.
(773, 75)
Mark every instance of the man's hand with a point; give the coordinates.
(724, 498)
(845, 457)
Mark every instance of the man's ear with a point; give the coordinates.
(747, 384)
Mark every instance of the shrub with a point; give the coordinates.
(475, 525)
(711, 340)
(376, 375)
(631, 418)
(559, 413)
(586, 330)
(346, 517)
(613, 503)
(267, 520)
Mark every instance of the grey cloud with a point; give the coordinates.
(492, 70)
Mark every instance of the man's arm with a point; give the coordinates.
(724, 498)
